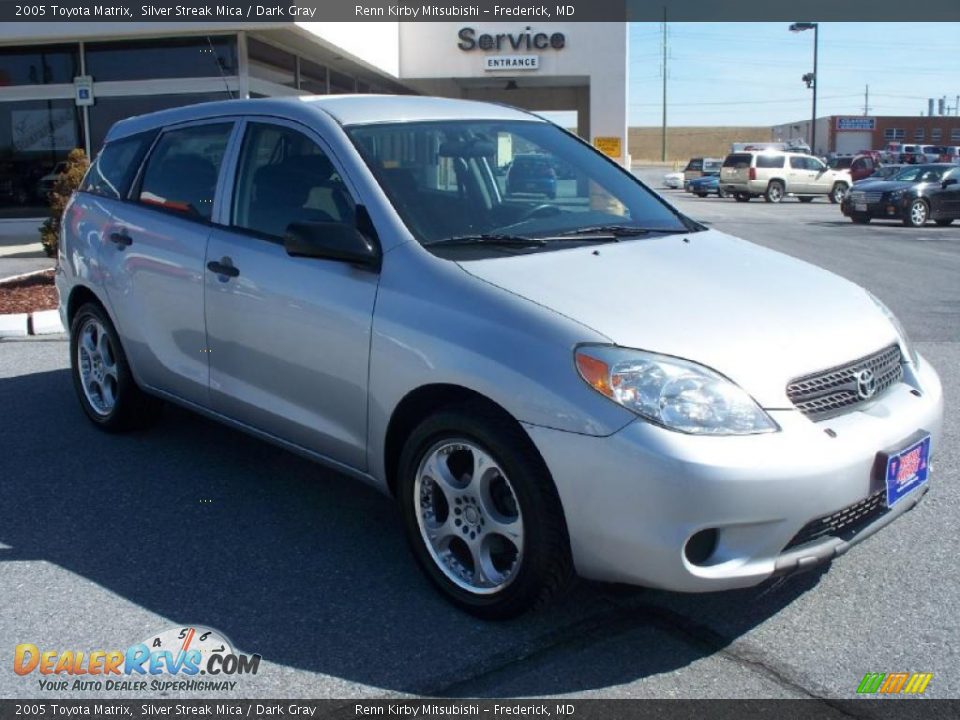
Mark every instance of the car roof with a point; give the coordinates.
(344, 109)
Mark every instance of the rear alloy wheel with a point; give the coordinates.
(917, 214)
(742, 197)
(943, 222)
(860, 219)
(101, 375)
(774, 193)
(837, 193)
(481, 513)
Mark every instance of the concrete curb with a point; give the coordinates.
(38, 322)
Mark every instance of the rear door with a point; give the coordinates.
(289, 337)
(153, 258)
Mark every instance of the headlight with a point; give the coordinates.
(895, 195)
(898, 326)
(675, 393)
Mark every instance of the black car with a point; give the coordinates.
(916, 194)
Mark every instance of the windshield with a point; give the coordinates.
(455, 179)
(840, 163)
(920, 173)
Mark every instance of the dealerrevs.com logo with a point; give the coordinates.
(179, 659)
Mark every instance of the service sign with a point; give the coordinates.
(856, 123)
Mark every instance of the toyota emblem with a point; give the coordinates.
(866, 384)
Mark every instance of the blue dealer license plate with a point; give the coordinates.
(907, 470)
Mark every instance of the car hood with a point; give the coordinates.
(757, 316)
(890, 185)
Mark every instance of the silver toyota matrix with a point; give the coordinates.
(552, 370)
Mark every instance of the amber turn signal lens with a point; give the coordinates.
(595, 372)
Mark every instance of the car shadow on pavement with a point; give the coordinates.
(202, 525)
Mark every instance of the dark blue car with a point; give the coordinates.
(532, 174)
(706, 185)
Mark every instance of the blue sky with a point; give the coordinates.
(750, 73)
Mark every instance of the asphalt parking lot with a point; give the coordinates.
(107, 540)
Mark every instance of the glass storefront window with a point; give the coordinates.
(206, 56)
(39, 65)
(341, 83)
(109, 110)
(35, 135)
(313, 77)
(272, 64)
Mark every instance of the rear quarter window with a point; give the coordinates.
(769, 161)
(115, 166)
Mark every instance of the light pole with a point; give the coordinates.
(811, 78)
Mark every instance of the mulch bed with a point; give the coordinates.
(36, 292)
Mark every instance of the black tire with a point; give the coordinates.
(546, 568)
(805, 199)
(837, 192)
(700, 194)
(742, 197)
(133, 409)
(943, 222)
(721, 193)
(775, 192)
(860, 219)
(917, 214)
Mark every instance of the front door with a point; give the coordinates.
(288, 337)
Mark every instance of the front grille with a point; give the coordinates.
(862, 196)
(843, 523)
(831, 392)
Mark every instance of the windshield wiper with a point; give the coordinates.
(614, 230)
(490, 239)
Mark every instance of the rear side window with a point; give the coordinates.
(738, 160)
(769, 161)
(695, 164)
(181, 173)
(115, 166)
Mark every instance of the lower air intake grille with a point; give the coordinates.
(843, 522)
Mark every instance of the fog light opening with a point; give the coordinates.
(700, 546)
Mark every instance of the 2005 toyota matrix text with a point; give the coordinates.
(587, 384)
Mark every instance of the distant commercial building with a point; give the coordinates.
(853, 133)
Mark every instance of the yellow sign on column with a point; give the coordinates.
(609, 146)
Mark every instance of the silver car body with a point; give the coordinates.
(318, 356)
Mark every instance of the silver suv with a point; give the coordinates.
(591, 383)
(774, 174)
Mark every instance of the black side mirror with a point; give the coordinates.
(948, 182)
(332, 241)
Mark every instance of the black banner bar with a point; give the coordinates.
(466, 709)
(243, 11)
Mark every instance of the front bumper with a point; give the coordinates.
(633, 499)
(879, 210)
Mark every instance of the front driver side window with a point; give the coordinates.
(285, 177)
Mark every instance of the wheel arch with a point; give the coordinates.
(81, 295)
(420, 403)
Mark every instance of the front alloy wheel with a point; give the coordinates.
(837, 193)
(917, 214)
(469, 517)
(481, 513)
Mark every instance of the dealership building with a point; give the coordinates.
(847, 134)
(62, 85)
